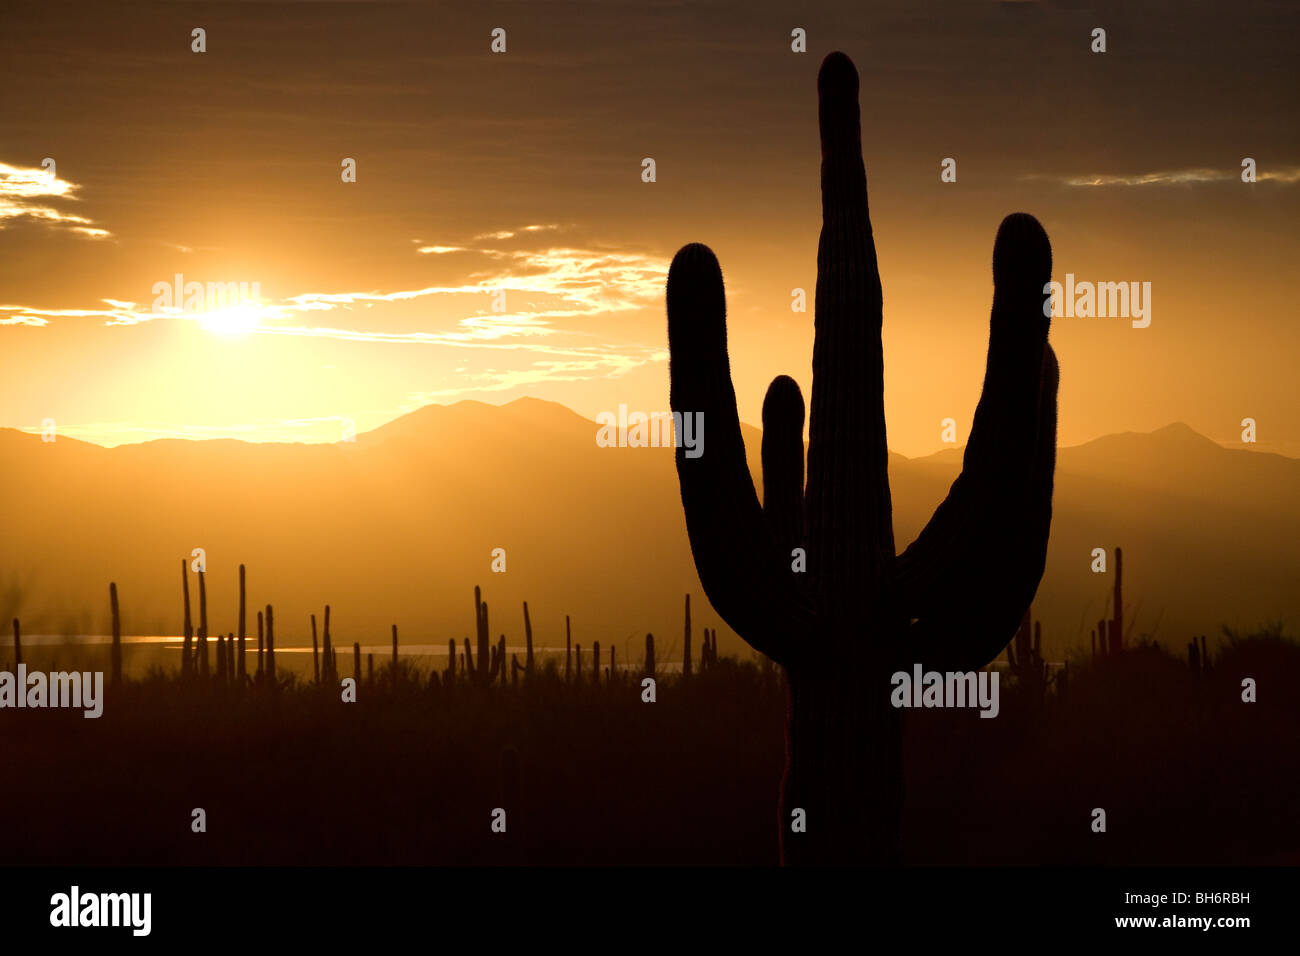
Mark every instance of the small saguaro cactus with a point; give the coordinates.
(450, 677)
(329, 672)
(203, 626)
(528, 643)
(1116, 629)
(686, 653)
(116, 654)
(315, 652)
(261, 664)
(649, 670)
(270, 646)
(489, 664)
(239, 677)
(953, 598)
(187, 648)
(568, 647)
(595, 661)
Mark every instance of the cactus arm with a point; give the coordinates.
(742, 572)
(783, 417)
(850, 526)
(975, 567)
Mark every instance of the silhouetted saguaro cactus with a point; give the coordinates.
(450, 677)
(953, 598)
(649, 670)
(528, 645)
(203, 626)
(261, 664)
(356, 662)
(488, 663)
(270, 646)
(315, 653)
(568, 647)
(116, 653)
(595, 661)
(686, 653)
(329, 671)
(239, 678)
(187, 649)
(1116, 629)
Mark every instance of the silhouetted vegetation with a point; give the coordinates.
(589, 773)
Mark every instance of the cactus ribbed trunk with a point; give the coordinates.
(810, 577)
(116, 654)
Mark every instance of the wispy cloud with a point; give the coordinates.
(1178, 177)
(22, 191)
(543, 288)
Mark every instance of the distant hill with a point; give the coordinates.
(399, 526)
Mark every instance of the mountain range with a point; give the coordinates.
(400, 525)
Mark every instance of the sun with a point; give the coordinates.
(236, 320)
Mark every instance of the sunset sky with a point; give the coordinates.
(522, 171)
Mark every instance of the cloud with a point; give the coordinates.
(21, 189)
(1179, 177)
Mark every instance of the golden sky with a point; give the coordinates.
(521, 171)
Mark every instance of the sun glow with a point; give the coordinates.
(236, 320)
